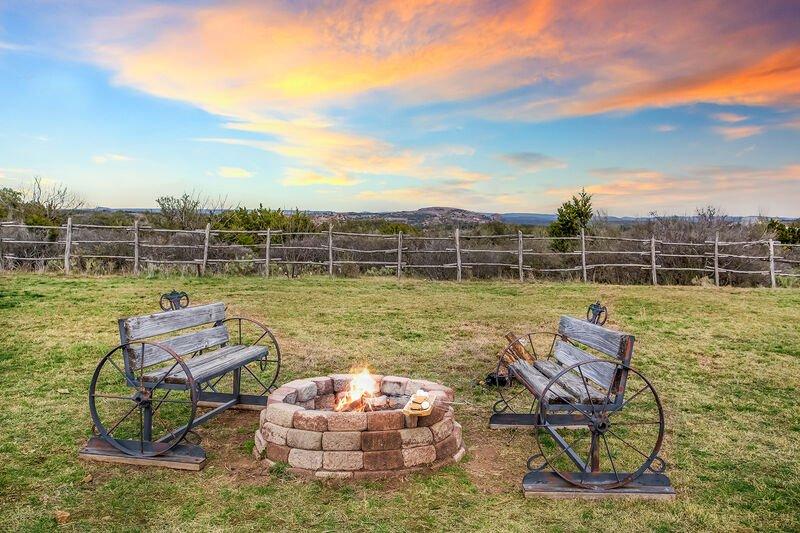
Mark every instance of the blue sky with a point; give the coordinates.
(499, 107)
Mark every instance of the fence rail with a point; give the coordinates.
(326, 250)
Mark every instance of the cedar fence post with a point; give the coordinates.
(67, 245)
(399, 254)
(772, 263)
(2, 251)
(583, 254)
(458, 254)
(266, 253)
(716, 259)
(653, 259)
(135, 247)
(330, 249)
(519, 255)
(205, 248)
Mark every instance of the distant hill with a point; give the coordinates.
(448, 216)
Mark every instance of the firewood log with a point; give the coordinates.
(518, 349)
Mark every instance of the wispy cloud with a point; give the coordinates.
(531, 162)
(732, 133)
(108, 158)
(302, 178)
(665, 128)
(729, 117)
(233, 173)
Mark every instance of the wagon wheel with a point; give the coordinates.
(166, 303)
(621, 438)
(141, 418)
(514, 397)
(258, 378)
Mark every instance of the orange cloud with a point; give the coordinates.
(732, 133)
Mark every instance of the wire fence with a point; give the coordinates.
(94, 248)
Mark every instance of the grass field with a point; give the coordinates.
(725, 361)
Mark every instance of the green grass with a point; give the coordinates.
(725, 361)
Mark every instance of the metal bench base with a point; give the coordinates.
(550, 485)
(181, 457)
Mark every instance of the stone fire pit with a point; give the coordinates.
(300, 427)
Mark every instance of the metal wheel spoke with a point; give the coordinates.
(259, 381)
(637, 450)
(162, 401)
(564, 450)
(629, 400)
(638, 423)
(112, 397)
(608, 452)
(121, 420)
(165, 375)
(586, 388)
(141, 430)
(124, 375)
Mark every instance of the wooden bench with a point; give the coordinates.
(178, 359)
(580, 385)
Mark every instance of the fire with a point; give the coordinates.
(362, 385)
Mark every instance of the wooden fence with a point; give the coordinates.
(518, 254)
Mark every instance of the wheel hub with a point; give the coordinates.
(600, 424)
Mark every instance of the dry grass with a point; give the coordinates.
(726, 362)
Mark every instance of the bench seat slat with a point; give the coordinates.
(182, 345)
(142, 327)
(535, 381)
(604, 340)
(602, 374)
(571, 382)
(211, 364)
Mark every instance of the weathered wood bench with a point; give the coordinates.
(580, 384)
(172, 361)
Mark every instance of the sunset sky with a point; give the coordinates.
(492, 106)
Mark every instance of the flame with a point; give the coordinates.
(362, 384)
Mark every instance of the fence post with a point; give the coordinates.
(458, 254)
(583, 254)
(399, 254)
(653, 259)
(772, 263)
(135, 247)
(519, 255)
(330, 249)
(205, 248)
(716, 259)
(2, 250)
(266, 253)
(67, 245)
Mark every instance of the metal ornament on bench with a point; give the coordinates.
(145, 394)
(611, 412)
(597, 313)
(173, 300)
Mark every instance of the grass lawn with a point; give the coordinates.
(725, 361)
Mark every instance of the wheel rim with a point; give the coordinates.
(619, 439)
(120, 405)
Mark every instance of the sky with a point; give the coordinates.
(501, 106)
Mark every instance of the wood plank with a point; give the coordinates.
(212, 364)
(604, 340)
(194, 363)
(601, 373)
(535, 381)
(182, 345)
(142, 327)
(182, 457)
(571, 381)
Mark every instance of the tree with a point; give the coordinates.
(573, 215)
(786, 233)
(180, 212)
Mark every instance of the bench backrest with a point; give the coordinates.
(606, 341)
(138, 328)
